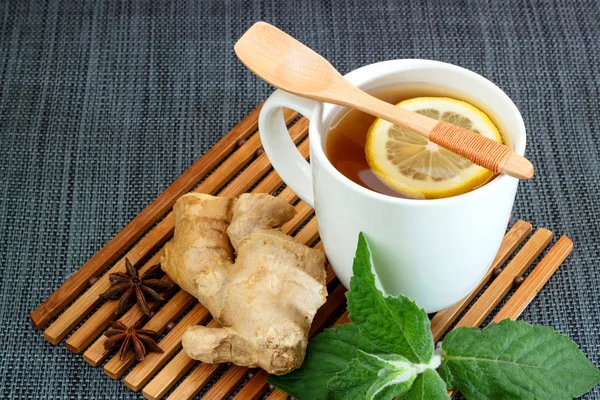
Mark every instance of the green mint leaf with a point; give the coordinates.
(427, 386)
(327, 354)
(395, 324)
(372, 376)
(515, 360)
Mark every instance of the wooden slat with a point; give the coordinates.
(442, 320)
(278, 395)
(285, 194)
(536, 280)
(172, 373)
(191, 386)
(309, 232)
(504, 282)
(254, 388)
(144, 220)
(160, 234)
(225, 385)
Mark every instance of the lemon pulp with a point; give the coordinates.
(418, 168)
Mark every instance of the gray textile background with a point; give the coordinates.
(104, 103)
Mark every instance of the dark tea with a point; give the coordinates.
(435, 169)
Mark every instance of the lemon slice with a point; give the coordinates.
(415, 167)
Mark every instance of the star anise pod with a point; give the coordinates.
(124, 338)
(130, 287)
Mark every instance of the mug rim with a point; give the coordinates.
(318, 151)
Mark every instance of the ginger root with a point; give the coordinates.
(266, 300)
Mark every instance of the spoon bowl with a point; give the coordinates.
(284, 62)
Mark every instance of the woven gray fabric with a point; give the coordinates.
(104, 103)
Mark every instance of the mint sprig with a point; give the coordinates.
(388, 352)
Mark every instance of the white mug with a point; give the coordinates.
(433, 251)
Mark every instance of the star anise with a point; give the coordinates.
(124, 338)
(130, 287)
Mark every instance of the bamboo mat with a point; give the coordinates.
(236, 164)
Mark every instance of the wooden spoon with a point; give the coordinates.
(287, 64)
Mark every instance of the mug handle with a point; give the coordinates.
(279, 147)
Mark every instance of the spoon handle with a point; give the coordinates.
(497, 157)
